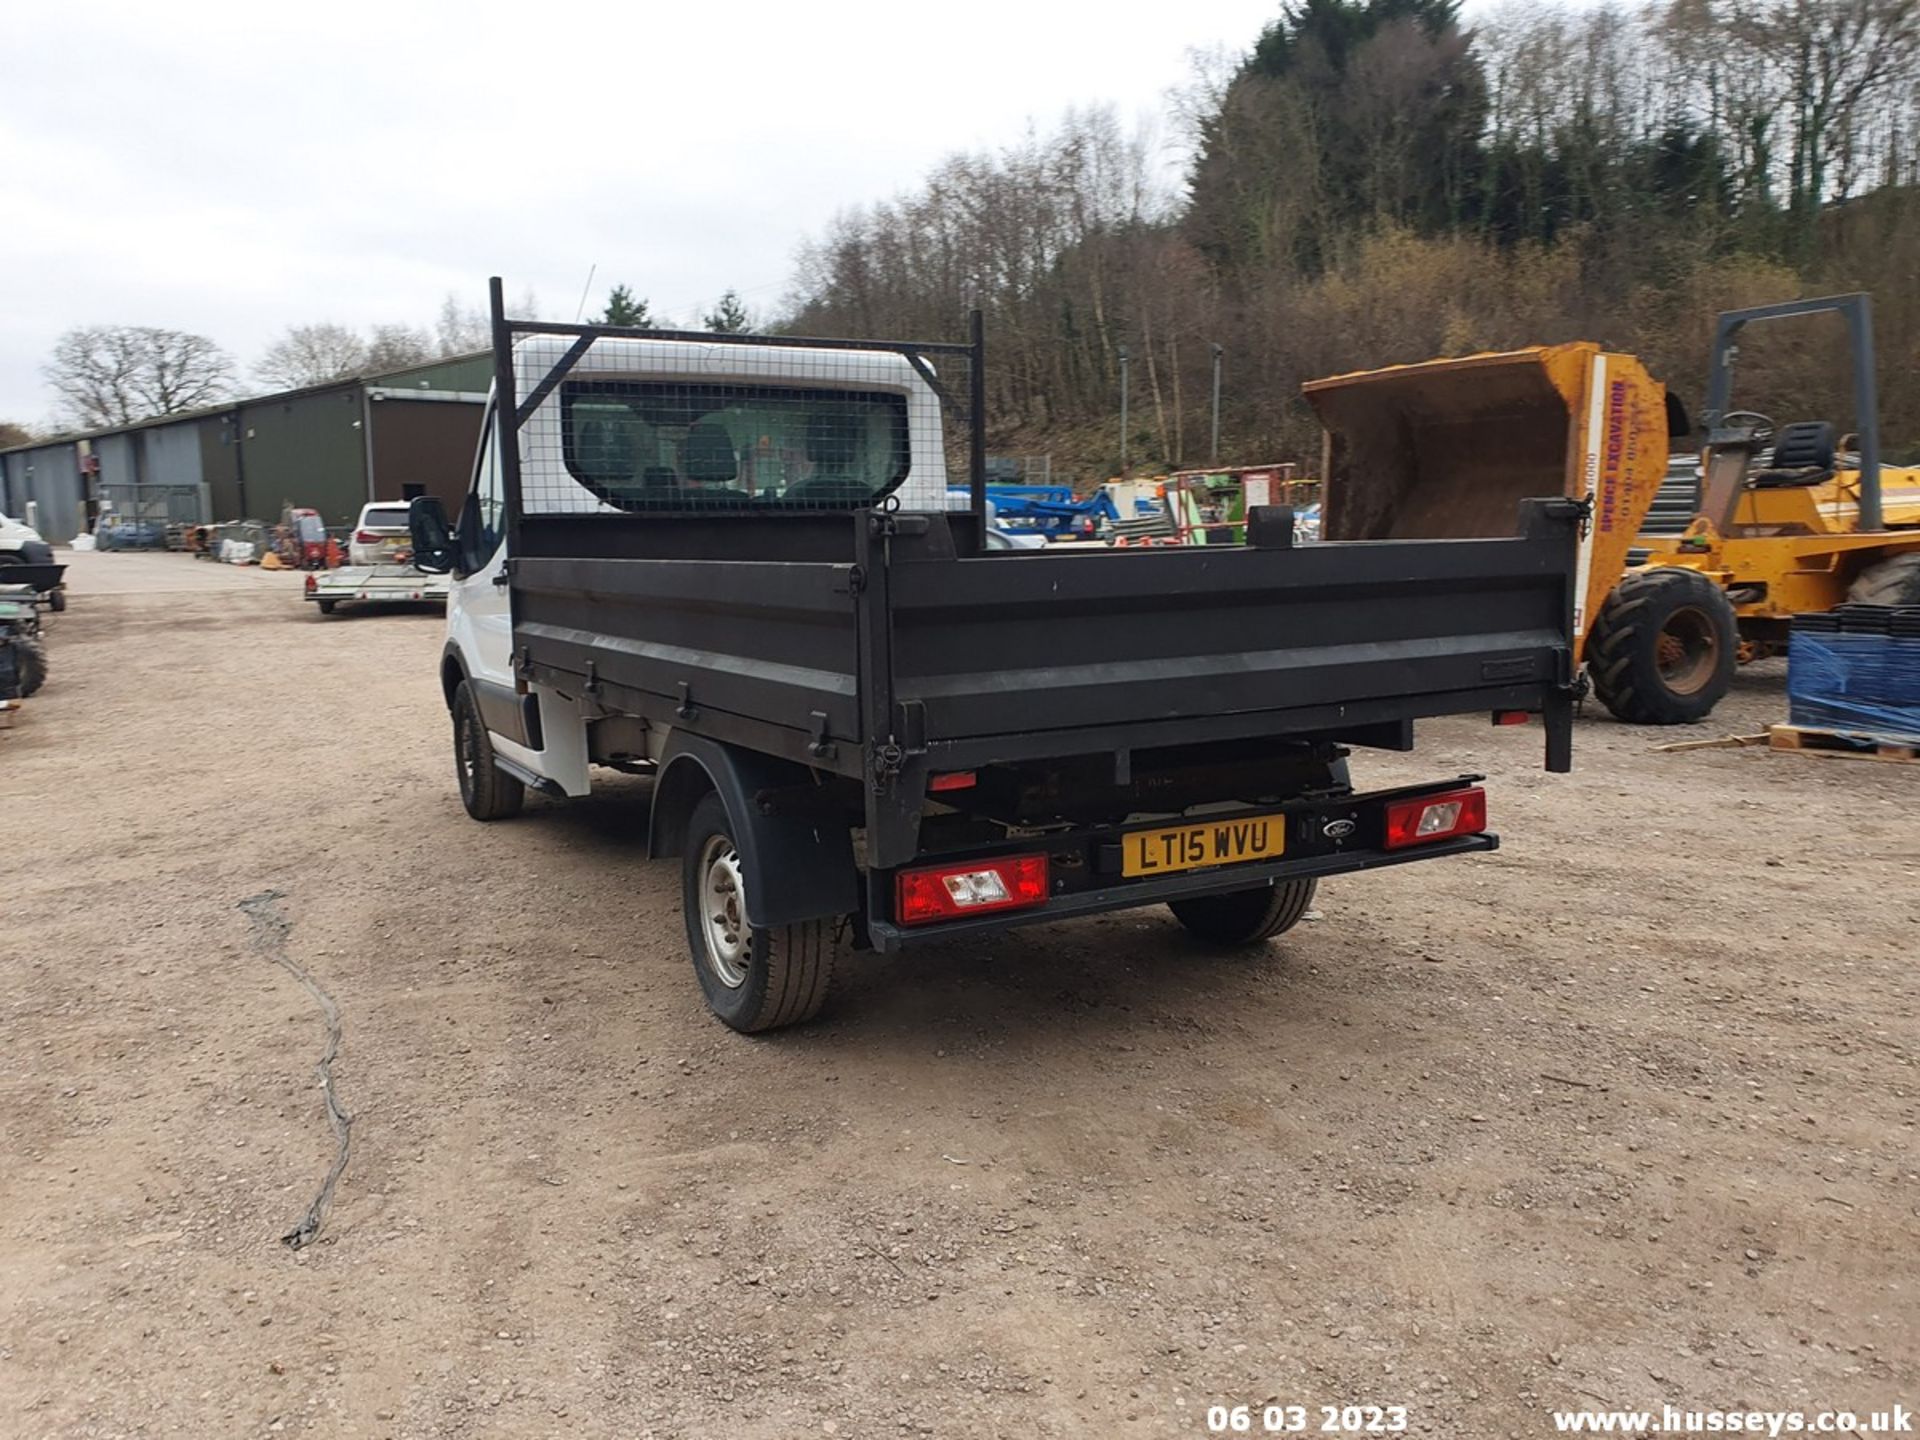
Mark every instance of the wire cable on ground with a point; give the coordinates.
(270, 929)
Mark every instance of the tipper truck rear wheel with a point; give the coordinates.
(754, 978)
(1663, 648)
(1245, 917)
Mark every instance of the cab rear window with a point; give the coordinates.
(675, 445)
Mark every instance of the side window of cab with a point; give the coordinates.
(488, 488)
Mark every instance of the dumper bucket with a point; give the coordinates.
(1448, 450)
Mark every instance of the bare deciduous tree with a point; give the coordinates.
(1834, 70)
(460, 329)
(117, 374)
(1840, 58)
(311, 355)
(395, 347)
(1056, 238)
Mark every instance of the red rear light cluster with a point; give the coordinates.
(1435, 817)
(365, 537)
(971, 887)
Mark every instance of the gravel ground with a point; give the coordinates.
(1623, 1114)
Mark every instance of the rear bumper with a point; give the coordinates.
(887, 937)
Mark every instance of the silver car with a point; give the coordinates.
(381, 536)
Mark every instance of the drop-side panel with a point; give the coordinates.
(1053, 654)
(1000, 645)
(767, 642)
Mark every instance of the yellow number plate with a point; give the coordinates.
(1212, 842)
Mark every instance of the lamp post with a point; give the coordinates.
(1213, 449)
(1123, 409)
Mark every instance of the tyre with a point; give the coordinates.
(488, 792)
(1663, 648)
(1893, 581)
(754, 979)
(30, 662)
(1245, 917)
(57, 599)
(327, 607)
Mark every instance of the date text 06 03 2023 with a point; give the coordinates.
(1274, 1419)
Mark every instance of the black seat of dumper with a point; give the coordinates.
(1802, 455)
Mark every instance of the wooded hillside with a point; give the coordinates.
(1375, 183)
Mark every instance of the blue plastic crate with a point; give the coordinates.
(1862, 676)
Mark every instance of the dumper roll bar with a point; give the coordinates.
(1857, 311)
(514, 412)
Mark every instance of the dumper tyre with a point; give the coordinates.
(1663, 648)
(488, 792)
(1245, 917)
(755, 978)
(1894, 581)
(30, 661)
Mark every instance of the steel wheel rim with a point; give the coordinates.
(1687, 651)
(723, 912)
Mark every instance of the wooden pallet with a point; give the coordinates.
(1845, 744)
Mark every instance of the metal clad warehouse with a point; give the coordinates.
(47, 478)
(328, 447)
(171, 455)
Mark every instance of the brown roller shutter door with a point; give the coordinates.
(429, 443)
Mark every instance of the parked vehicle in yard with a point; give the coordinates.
(999, 537)
(379, 568)
(23, 646)
(734, 565)
(26, 559)
(395, 584)
(301, 539)
(1050, 512)
(1684, 575)
(380, 535)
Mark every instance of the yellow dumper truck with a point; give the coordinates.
(1785, 518)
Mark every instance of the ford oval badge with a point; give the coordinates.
(1338, 829)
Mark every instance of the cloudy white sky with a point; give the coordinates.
(233, 168)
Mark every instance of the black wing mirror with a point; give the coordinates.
(433, 547)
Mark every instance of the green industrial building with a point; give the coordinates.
(329, 447)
